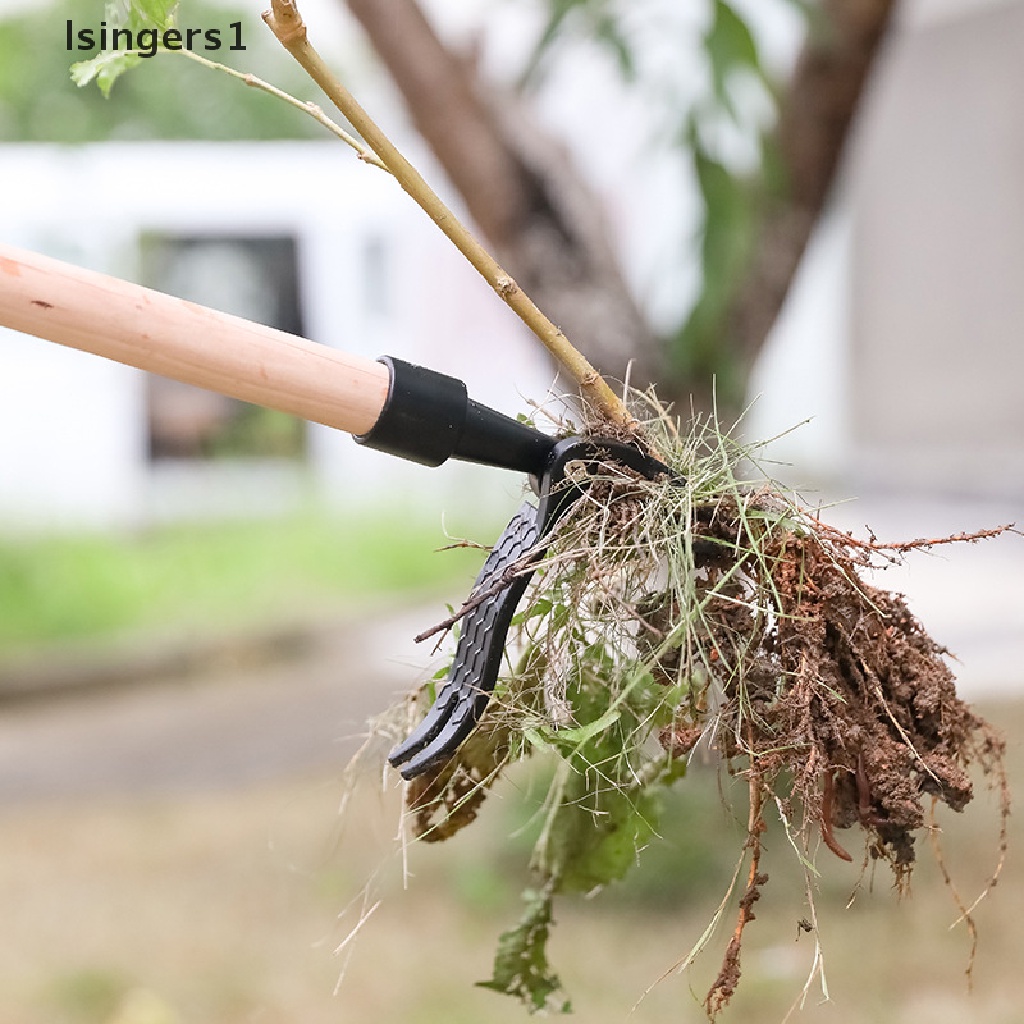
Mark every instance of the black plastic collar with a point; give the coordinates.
(429, 418)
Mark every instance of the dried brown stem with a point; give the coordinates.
(477, 598)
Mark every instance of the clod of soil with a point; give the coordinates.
(868, 724)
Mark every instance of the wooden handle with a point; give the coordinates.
(182, 340)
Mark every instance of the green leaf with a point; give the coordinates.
(606, 29)
(603, 28)
(136, 14)
(105, 69)
(573, 738)
(521, 967)
(558, 11)
(731, 217)
(727, 236)
(534, 611)
(596, 835)
(730, 47)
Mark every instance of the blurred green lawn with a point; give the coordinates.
(227, 574)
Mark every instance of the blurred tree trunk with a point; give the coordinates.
(549, 230)
(541, 219)
(816, 114)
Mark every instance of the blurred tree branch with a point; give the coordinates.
(520, 187)
(816, 113)
(549, 229)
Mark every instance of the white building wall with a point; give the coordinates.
(901, 338)
(938, 187)
(71, 433)
(799, 389)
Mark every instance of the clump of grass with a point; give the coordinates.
(710, 608)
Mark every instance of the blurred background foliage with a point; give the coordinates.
(757, 132)
(172, 99)
(93, 585)
(724, 129)
(214, 575)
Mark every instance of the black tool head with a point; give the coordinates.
(505, 574)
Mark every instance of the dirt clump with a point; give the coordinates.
(836, 703)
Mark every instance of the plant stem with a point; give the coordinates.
(286, 23)
(364, 153)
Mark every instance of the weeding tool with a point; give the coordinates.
(389, 405)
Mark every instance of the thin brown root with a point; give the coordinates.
(874, 546)
(934, 832)
(495, 586)
(992, 760)
(724, 986)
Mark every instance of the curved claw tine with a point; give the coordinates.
(443, 746)
(474, 671)
(428, 728)
(466, 692)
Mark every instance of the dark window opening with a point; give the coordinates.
(252, 276)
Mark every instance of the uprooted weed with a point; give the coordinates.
(716, 611)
